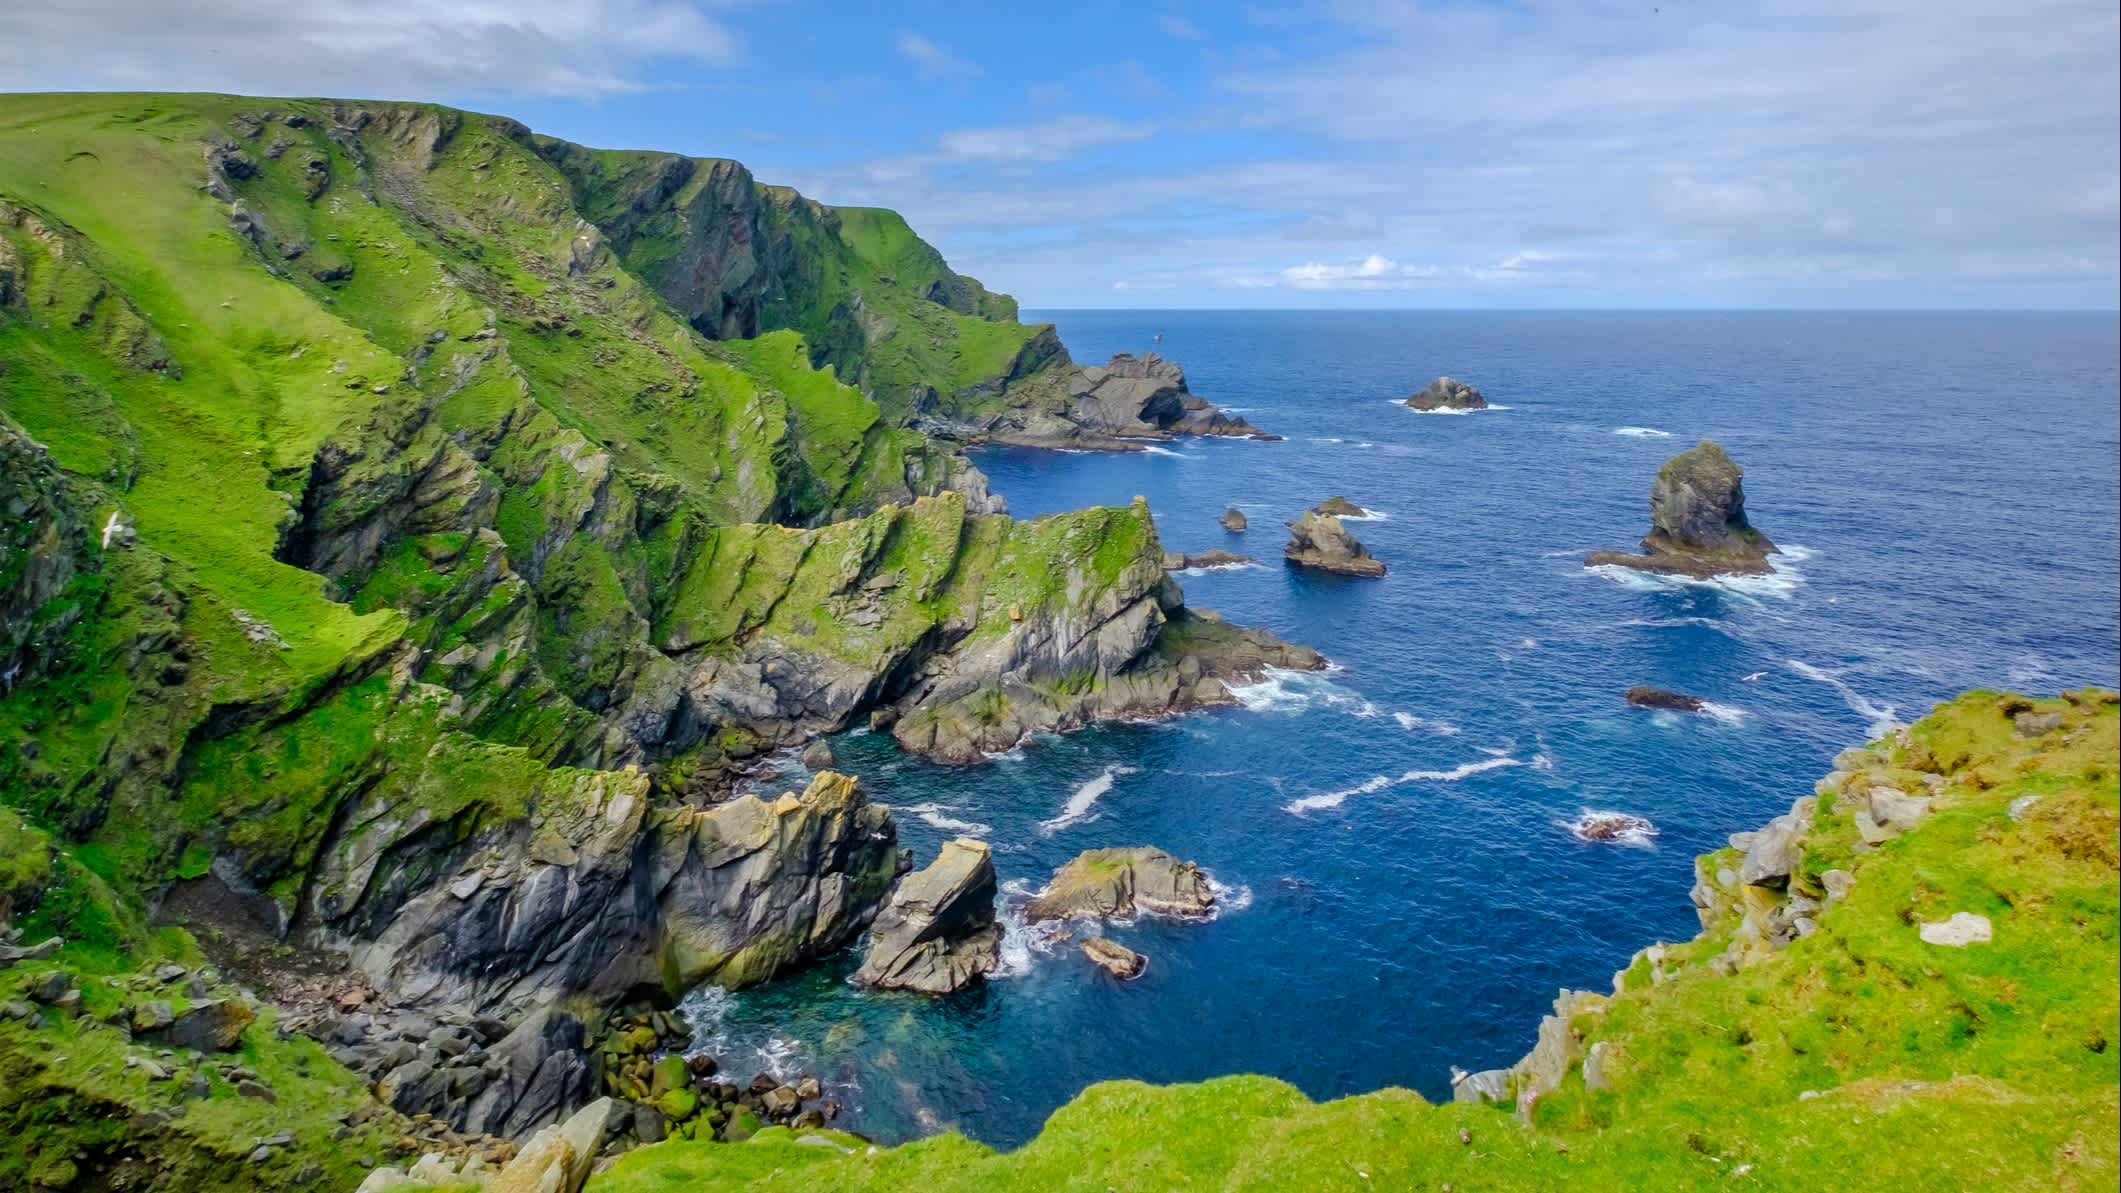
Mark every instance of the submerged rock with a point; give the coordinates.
(1620, 827)
(1233, 520)
(1114, 958)
(1644, 696)
(1447, 394)
(1100, 883)
(1698, 525)
(1319, 541)
(938, 933)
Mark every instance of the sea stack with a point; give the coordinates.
(1447, 394)
(1319, 541)
(938, 933)
(1697, 521)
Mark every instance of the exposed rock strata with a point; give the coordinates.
(1118, 883)
(1177, 562)
(1698, 525)
(1319, 541)
(938, 933)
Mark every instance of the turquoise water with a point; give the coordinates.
(1403, 892)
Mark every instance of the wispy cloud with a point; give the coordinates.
(929, 59)
(582, 49)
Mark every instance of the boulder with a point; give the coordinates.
(818, 756)
(1114, 958)
(1233, 520)
(1445, 393)
(1776, 851)
(213, 1026)
(1961, 929)
(1644, 696)
(938, 932)
(1104, 883)
(1319, 541)
(1698, 524)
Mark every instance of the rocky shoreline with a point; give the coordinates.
(1113, 407)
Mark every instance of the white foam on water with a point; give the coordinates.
(706, 1008)
(1542, 761)
(1366, 443)
(1642, 432)
(1368, 515)
(1228, 898)
(1328, 440)
(1376, 783)
(1880, 718)
(1782, 585)
(1023, 942)
(1158, 450)
(1217, 567)
(1613, 828)
(1729, 714)
(1409, 722)
(1085, 799)
(1528, 643)
(934, 814)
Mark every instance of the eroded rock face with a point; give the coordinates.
(1117, 883)
(1319, 541)
(1445, 393)
(595, 893)
(938, 933)
(43, 546)
(1698, 525)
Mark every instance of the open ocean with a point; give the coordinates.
(1402, 891)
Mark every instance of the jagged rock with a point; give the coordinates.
(50, 945)
(938, 933)
(1959, 930)
(1233, 520)
(1643, 696)
(1114, 958)
(1698, 525)
(558, 1158)
(44, 541)
(1447, 394)
(1052, 402)
(1319, 541)
(1103, 883)
(1775, 854)
(1595, 1062)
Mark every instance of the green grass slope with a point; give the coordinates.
(1857, 1057)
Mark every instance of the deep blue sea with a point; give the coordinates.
(1403, 892)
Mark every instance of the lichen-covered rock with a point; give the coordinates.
(1445, 393)
(1319, 541)
(938, 933)
(1118, 883)
(1698, 524)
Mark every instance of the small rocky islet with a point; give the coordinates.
(1445, 393)
(1698, 524)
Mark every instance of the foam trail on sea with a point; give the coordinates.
(1228, 898)
(933, 814)
(1023, 941)
(1729, 714)
(1880, 718)
(1781, 585)
(1155, 450)
(1084, 799)
(1368, 515)
(1409, 722)
(1333, 799)
(1642, 432)
(1282, 690)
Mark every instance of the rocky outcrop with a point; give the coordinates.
(1340, 507)
(1233, 520)
(1119, 883)
(1106, 407)
(938, 933)
(1447, 394)
(1114, 958)
(1320, 542)
(1644, 696)
(1176, 562)
(558, 1159)
(44, 546)
(1698, 525)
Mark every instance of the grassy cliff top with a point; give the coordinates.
(1859, 1056)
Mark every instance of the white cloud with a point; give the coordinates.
(930, 59)
(392, 48)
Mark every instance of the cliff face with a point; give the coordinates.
(413, 522)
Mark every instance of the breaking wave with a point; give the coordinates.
(1376, 783)
(1642, 432)
(1613, 828)
(1084, 799)
(935, 815)
(1879, 718)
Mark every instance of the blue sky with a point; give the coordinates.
(1540, 153)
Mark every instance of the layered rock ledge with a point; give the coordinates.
(938, 933)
